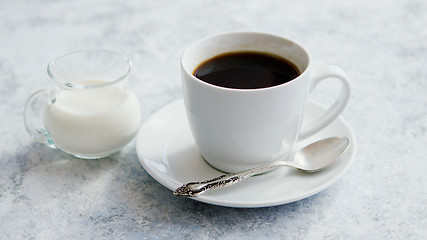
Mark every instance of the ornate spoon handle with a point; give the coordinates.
(192, 189)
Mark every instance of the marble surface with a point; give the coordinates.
(47, 194)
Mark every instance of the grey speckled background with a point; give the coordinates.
(46, 194)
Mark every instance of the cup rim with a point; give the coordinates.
(83, 86)
(303, 73)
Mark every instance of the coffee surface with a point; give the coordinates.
(246, 70)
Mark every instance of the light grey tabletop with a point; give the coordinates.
(382, 45)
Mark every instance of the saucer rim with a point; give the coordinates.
(207, 199)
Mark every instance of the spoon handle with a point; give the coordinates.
(192, 189)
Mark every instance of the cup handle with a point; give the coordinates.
(33, 116)
(318, 75)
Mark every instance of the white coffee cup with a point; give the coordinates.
(237, 129)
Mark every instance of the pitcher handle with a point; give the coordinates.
(33, 116)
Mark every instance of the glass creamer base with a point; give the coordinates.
(92, 156)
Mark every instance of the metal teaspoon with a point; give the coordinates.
(312, 158)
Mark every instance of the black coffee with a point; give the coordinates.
(246, 70)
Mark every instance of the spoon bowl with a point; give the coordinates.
(319, 155)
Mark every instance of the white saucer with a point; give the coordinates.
(167, 151)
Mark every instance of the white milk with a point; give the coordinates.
(93, 122)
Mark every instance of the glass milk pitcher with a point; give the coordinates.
(92, 113)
